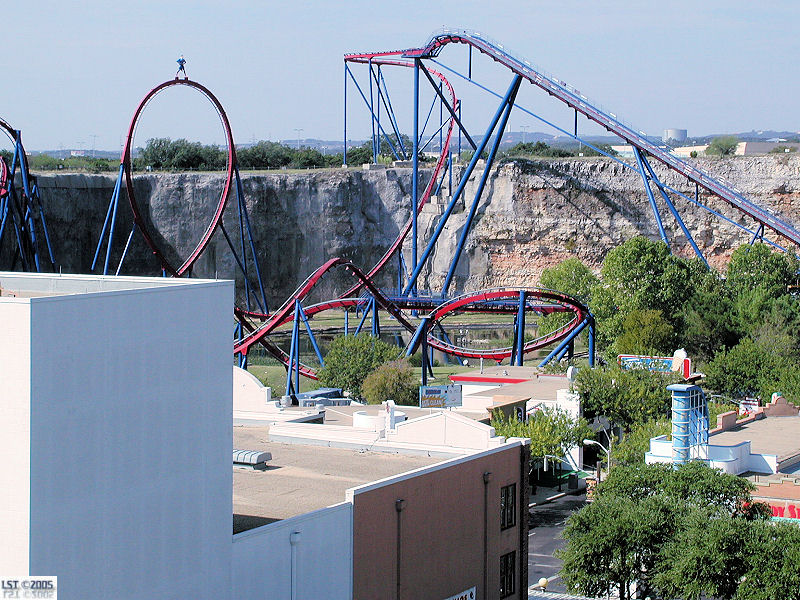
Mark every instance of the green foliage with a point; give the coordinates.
(747, 369)
(537, 149)
(265, 155)
(709, 317)
(632, 448)
(614, 542)
(642, 275)
(692, 484)
(360, 155)
(760, 267)
(164, 153)
(551, 430)
(587, 151)
(628, 397)
(645, 332)
(724, 145)
(691, 532)
(351, 358)
(394, 380)
(572, 277)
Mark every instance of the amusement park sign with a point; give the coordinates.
(662, 364)
(440, 396)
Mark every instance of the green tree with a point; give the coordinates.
(747, 369)
(265, 155)
(645, 332)
(635, 443)
(627, 397)
(758, 266)
(705, 559)
(552, 431)
(394, 380)
(641, 274)
(351, 358)
(724, 145)
(614, 542)
(693, 484)
(570, 276)
(360, 155)
(710, 321)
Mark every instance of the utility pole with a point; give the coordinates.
(298, 130)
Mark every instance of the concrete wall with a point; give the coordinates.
(130, 441)
(433, 547)
(266, 564)
(15, 385)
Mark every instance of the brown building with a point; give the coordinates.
(444, 530)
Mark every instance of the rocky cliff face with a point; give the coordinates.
(532, 215)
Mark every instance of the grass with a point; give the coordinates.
(274, 376)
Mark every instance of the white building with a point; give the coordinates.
(116, 434)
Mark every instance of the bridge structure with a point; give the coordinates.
(22, 215)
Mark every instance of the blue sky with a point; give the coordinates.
(75, 71)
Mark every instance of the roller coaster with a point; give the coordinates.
(21, 211)
(364, 297)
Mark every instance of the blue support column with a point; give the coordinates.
(376, 326)
(294, 353)
(565, 342)
(674, 212)
(112, 208)
(459, 190)
(311, 335)
(508, 104)
(591, 341)
(412, 289)
(650, 196)
(346, 320)
(519, 332)
(344, 152)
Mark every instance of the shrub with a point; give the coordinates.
(394, 380)
(351, 358)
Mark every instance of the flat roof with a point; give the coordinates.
(302, 478)
(37, 285)
(773, 435)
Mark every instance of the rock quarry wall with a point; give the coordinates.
(532, 215)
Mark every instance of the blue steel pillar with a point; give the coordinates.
(519, 331)
(415, 177)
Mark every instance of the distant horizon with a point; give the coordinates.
(531, 134)
(76, 73)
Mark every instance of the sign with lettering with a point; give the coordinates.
(661, 364)
(440, 396)
(469, 594)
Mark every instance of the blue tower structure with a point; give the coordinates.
(689, 423)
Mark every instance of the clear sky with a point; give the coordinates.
(75, 71)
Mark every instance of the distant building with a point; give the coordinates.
(674, 135)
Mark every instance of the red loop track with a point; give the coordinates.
(126, 161)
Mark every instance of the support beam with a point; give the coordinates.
(637, 153)
(449, 108)
(508, 104)
(674, 211)
(411, 284)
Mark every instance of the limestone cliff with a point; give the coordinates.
(533, 214)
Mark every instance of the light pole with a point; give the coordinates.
(298, 130)
(606, 450)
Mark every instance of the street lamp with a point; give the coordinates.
(606, 450)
